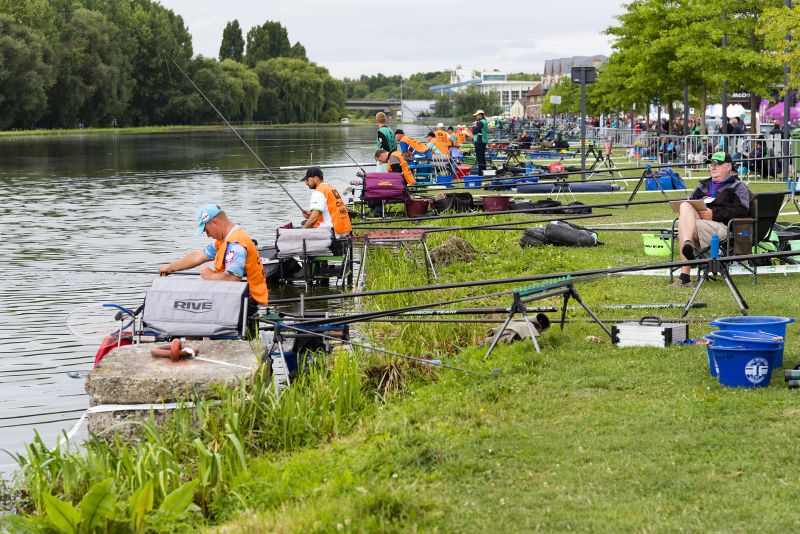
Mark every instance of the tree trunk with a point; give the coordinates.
(703, 104)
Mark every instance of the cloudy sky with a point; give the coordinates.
(353, 37)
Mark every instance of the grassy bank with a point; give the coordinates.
(13, 134)
(583, 436)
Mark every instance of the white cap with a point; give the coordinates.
(440, 125)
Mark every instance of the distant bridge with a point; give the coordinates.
(386, 106)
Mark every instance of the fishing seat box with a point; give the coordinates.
(177, 306)
(649, 332)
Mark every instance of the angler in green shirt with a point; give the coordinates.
(385, 140)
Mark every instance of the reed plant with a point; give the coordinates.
(176, 471)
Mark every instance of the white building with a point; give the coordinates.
(509, 92)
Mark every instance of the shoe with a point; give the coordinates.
(688, 250)
(680, 283)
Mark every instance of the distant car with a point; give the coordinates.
(345, 120)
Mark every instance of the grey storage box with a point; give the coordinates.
(649, 332)
(304, 242)
(181, 306)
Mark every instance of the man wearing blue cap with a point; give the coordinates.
(233, 252)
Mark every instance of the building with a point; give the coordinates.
(508, 92)
(533, 102)
(556, 69)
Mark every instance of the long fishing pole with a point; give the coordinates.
(120, 271)
(432, 363)
(518, 212)
(264, 165)
(540, 277)
(493, 226)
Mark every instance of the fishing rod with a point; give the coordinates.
(354, 161)
(432, 363)
(493, 226)
(184, 174)
(540, 277)
(565, 173)
(544, 289)
(264, 165)
(519, 212)
(119, 271)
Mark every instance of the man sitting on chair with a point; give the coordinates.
(233, 252)
(726, 197)
(327, 209)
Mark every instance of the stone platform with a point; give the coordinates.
(130, 375)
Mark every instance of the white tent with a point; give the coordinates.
(734, 110)
(517, 110)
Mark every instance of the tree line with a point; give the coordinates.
(663, 47)
(104, 62)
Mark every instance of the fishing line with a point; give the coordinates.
(264, 165)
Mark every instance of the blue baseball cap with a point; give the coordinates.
(207, 212)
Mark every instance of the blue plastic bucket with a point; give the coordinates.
(446, 180)
(748, 340)
(756, 323)
(472, 181)
(743, 367)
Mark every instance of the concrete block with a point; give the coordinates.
(130, 375)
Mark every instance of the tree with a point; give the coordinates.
(92, 75)
(294, 90)
(24, 76)
(471, 100)
(265, 42)
(444, 106)
(232, 46)
(298, 51)
(777, 23)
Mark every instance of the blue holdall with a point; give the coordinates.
(667, 179)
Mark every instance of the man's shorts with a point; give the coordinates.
(705, 229)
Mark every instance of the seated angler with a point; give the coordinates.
(327, 209)
(233, 252)
(408, 145)
(726, 197)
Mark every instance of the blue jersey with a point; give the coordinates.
(235, 256)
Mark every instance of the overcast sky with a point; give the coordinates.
(353, 37)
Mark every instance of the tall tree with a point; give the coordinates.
(294, 90)
(24, 75)
(471, 100)
(298, 51)
(777, 23)
(232, 46)
(93, 74)
(265, 42)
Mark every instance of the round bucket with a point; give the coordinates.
(446, 180)
(756, 323)
(417, 207)
(748, 340)
(742, 367)
(496, 203)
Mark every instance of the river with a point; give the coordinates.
(71, 206)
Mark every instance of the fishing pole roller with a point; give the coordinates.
(174, 351)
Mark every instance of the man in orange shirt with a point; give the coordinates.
(233, 252)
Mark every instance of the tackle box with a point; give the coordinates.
(650, 331)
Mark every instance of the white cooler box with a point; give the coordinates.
(649, 332)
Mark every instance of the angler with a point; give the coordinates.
(233, 253)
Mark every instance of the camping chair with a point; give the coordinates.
(317, 249)
(388, 187)
(180, 307)
(745, 234)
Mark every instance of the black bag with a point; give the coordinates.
(560, 233)
(458, 202)
(576, 208)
